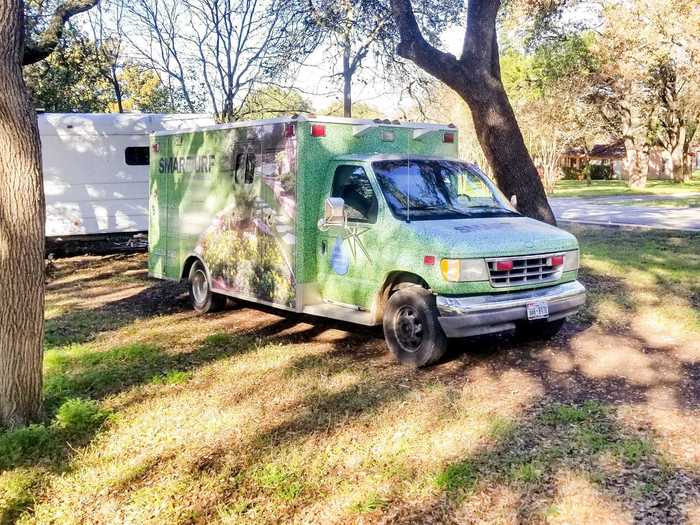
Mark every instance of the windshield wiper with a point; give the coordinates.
(439, 208)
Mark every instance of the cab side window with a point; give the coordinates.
(351, 184)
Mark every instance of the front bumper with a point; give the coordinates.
(485, 314)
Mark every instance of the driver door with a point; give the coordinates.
(346, 252)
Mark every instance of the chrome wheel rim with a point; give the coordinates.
(200, 286)
(409, 328)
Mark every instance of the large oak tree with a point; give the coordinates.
(476, 77)
(22, 211)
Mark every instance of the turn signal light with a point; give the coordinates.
(464, 270)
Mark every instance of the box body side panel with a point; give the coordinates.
(231, 201)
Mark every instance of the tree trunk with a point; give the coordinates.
(636, 164)
(677, 157)
(117, 90)
(21, 232)
(503, 145)
(347, 83)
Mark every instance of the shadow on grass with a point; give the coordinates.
(76, 376)
(535, 454)
(85, 324)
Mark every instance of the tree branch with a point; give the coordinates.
(480, 36)
(413, 46)
(44, 44)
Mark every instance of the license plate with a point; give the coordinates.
(537, 311)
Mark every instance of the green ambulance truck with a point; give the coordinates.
(372, 222)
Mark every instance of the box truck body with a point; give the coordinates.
(343, 218)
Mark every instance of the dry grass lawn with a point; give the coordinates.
(156, 415)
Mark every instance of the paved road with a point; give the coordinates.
(606, 211)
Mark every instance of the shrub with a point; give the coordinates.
(598, 172)
(78, 416)
(572, 173)
(17, 446)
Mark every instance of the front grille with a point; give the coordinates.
(526, 270)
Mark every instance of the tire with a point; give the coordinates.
(202, 298)
(539, 330)
(411, 328)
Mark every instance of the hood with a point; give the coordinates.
(492, 237)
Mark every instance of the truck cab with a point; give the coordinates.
(431, 247)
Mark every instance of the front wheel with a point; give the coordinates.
(411, 327)
(202, 298)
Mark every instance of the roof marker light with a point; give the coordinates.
(289, 130)
(318, 130)
(448, 138)
(155, 147)
(388, 136)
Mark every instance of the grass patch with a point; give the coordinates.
(281, 481)
(76, 419)
(174, 377)
(527, 472)
(27, 445)
(603, 188)
(370, 503)
(17, 493)
(634, 450)
(559, 414)
(79, 416)
(502, 429)
(460, 476)
(80, 371)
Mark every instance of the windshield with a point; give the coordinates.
(438, 189)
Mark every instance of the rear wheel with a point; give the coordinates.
(411, 327)
(539, 330)
(202, 298)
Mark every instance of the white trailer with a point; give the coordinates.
(96, 170)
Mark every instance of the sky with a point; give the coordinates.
(313, 81)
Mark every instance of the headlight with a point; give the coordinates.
(457, 270)
(571, 261)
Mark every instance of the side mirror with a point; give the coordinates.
(514, 201)
(334, 213)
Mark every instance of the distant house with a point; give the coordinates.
(613, 155)
(606, 154)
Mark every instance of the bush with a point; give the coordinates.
(78, 416)
(572, 173)
(598, 172)
(17, 446)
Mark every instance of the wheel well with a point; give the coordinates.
(393, 283)
(188, 266)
